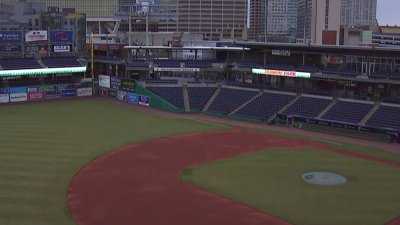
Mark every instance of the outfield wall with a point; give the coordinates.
(43, 93)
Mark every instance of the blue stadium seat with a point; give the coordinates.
(229, 99)
(172, 95)
(348, 112)
(265, 105)
(56, 62)
(19, 63)
(198, 97)
(307, 107)
(385, 117)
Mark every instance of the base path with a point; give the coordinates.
(140, 184)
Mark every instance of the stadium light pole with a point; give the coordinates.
(92, 60)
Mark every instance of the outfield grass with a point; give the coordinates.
(43, 145)
(271, 181)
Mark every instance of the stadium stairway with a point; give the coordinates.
(370, 113)
(289, 104)
(247, 102)
(186, 100)
(211, 100)
(335, 100)
(40, 62)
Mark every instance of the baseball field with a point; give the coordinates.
(95, 162)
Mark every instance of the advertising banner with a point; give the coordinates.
(61, 36)
(82, 92)
(61, 48)
(104, 81)
(112, 94)
(37, 48)
(48, 88)
(13, 90)
(115, 83)
(176, 69)
(128, 85)
(10, 36)
(132, 98)
(53, 95)
(12, 48)
(36, 36)
(69, 93)
(33, 89)
(18, 97)
(281, 73)
(35, 96)
(122, 95)
(144, 100)
(4, 98)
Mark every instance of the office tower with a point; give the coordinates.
(215, 19)
(257, 20)
(92, 8)
(358, 13)
(318, 21)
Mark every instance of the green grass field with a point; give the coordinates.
(43, 145)
(271, 181)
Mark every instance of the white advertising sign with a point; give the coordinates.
(4, 98)
(18, 97)
(36, 36)
(177, 69)
(104, 81)
(81, 92)
(61, 48)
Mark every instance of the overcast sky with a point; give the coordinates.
(389, 12)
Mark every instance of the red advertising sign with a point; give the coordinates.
(35, 96)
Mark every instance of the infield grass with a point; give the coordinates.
(43, 145)
(271, 181)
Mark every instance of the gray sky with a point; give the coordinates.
(388, 12)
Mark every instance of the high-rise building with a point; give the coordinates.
(92, 8)
(318, 21)
(215, 19)
(257, 19)
(358, 13)
(277, 17)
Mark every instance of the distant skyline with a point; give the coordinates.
(388, 12)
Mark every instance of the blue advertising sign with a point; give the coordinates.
(69, 93)
(133, 98)
(12, 47)
(144, 100)
(115, 83)
(13, 90)
(61, 36)
(10, 36)
(53, 95)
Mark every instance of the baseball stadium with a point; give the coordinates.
(236, 133)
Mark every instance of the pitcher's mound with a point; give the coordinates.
(324, 178)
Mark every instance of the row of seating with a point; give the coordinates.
(31, 63)
(268, 104)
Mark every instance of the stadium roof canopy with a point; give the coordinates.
(333, 49)
(238, 48)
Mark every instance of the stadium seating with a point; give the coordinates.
(348, 112)
(172, 95)
(174, 63)
(265, 105)
(19, 63)
(54, 62)
(385, 117)
(307, 107)
(164, 81)
(198, 97)
(229, 99)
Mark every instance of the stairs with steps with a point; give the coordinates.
(186, 97)
(211, 100)
(370, 113)
(41, 63)
(289, 104)
(247, 102)
(335, 100)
